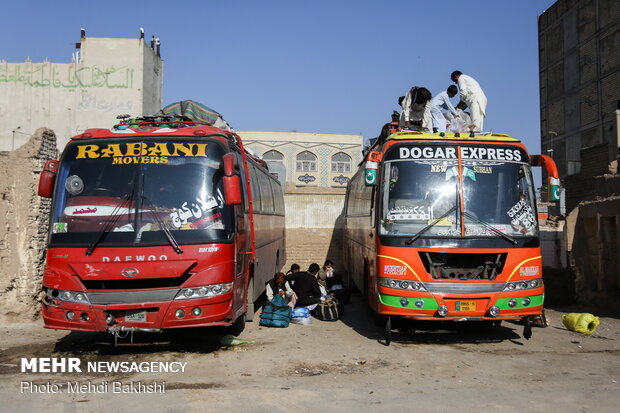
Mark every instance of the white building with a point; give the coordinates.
(107, 78)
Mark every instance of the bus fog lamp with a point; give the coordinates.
(512, 303)
(179, 313)
(442, 311)
(494, 311)
(526, 301)
(404, 302)
(196, 311)
(109, 319)
(70, 315)
(419, 303)
(84, 317)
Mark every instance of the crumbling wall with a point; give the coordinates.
(593, 244)
(24, 218)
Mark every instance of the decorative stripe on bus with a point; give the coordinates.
(520, 264)
(402, 262)
(536, 301)
(394, 301)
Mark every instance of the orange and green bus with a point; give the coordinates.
(444, 227)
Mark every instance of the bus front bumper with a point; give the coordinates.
(426, 306)
(150, 317)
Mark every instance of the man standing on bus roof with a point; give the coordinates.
(473, 96)
(440, 103)
(416, 111)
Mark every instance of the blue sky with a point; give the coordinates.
(323, 66)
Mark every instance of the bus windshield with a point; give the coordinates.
(132, 193)
(426, 196)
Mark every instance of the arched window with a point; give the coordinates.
(341, 162)
(273, 156)
(275, 161)
(306, 162)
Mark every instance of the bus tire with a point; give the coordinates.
(249, 313)
(238, 326)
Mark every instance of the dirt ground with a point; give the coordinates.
(337, 366)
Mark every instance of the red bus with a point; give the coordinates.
(158, 225)
(444, 227)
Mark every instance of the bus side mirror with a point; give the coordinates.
(47, 178)
(232, 182)
(553, 180)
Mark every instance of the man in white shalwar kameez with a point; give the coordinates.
(440, 103)
(473, 96)
(416, 111)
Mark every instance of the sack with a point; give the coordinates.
(327, 310)
(580, 322)
(276, 313)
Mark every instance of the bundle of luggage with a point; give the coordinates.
(276, 313)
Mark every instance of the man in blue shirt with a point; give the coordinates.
(438, 104)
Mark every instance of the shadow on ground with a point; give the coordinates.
(365, 322)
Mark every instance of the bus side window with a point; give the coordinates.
(278, 197)
(267, 199)
(256, 193)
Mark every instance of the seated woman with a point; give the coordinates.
(279, 285)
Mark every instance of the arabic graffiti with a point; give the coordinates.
(195, 210)
(67, 76)
(96, 103)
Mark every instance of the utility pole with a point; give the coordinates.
(14, 132)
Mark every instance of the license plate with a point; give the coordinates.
(465, 306)
(136, 317)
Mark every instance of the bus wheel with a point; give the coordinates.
(249, 315)
(238, 326)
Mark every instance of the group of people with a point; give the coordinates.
(302, 288)
(422, 111)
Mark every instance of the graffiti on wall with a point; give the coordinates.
(92, 102)
(67, 76)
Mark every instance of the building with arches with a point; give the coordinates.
(314, 169)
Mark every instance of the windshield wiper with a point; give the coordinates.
(111, 222)
(127, 198)
(491, 228)
(173, 242)
(429, 226)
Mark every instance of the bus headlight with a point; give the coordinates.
(69, 296)
(523, 285)
(401, 284)
(206, 291)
